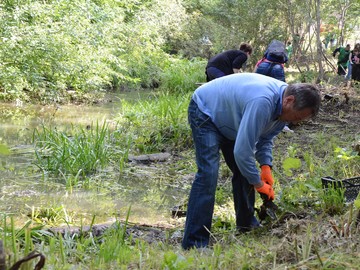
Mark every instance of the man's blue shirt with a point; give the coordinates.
(245, 108)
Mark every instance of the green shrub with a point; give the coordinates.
(182, 75)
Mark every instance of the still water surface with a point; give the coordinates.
(24, 188)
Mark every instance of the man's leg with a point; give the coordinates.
(202, 195)
(341, 70)
(243, 192)
(349, 70)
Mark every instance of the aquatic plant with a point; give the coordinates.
(77, 151)
(156, 124)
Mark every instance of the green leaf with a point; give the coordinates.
(357, 202)
(4, 150)
(291, 163)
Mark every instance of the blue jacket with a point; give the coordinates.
(245, 107)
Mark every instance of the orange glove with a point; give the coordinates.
(267, 190)
(266, 176)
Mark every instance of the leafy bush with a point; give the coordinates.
(85, 46)
(57, 46)
(182, 75)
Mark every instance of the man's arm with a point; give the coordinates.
(238, 63)
(350, 57)
(256, 117)
(265, 144)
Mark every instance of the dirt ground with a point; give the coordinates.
(339, 116)
(340, 111)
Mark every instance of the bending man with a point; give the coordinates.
(240, 115)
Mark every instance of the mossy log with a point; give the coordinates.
(148, 158)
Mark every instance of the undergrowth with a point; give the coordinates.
(315, 228)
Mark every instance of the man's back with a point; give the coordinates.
(225, 99)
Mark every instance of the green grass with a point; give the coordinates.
(79, 151)
(296, 246)
(181, 75)
(156, 124)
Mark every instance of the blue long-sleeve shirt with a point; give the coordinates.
(245, 108)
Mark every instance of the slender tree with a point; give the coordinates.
(318, 41)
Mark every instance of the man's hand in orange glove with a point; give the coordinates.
(267, 190)
(266, 175)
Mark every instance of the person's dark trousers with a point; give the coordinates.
(355, 74)
(243, 192)
(213, 73)
(341, 70)
(208, 141)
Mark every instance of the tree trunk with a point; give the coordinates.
(318, 42)
(342, 19)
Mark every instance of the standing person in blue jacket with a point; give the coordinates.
(228, 62)
(240, 115)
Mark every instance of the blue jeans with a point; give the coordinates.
(272, 70)
(208, 142)
(349, 71)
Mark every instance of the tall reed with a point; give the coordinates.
(76, 151)
(158, 123)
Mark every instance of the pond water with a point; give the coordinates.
(24, 188)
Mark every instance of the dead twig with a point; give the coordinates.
(32, 255)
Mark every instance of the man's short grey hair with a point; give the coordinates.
(306, 96)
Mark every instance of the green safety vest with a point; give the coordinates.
(343, 56)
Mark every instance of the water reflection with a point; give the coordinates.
(23, 187)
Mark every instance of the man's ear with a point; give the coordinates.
(289, 100)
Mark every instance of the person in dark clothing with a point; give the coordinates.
(354, 63)
(228, 62)
(342, 58)
(355, 75)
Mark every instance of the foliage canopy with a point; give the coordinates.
(53, 46)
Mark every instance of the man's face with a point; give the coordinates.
(291, 115)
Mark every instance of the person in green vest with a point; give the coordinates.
(329, 40)
(289, 49)
(343, 58)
